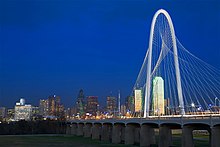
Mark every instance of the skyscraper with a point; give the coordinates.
(138, 100)
(92, 105)
(158, 96)
(111, 104)
(51, 104)
(3, 112)
(80, 103)
(55, 108)
(44, 108)
(130, 103)
(167, 106)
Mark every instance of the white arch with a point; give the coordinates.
(176, 62)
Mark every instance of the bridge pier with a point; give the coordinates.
(147, 136)
(137, 134)
(215, 136)
(106, 132)
(130, 134)
(123, 133)
(80, 129)
(165, 136)
(73, 129)
(68, 129)
(187, 136)
(96, 131)
(87, 129)
(117, 133)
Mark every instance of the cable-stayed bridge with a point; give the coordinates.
(169, 73)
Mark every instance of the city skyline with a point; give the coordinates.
(49, 54)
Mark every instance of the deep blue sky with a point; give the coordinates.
(58, 47)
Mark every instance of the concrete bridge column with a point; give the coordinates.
(117, 133)
(73, 129)
(215, 136)
(123, 133)
(165, 136)
(80, 129)
(129, 134)
(96, 131)
(187, 136)
(87, 130)
(137, 135)
(106, 132)
(147, 136)
(68, 129)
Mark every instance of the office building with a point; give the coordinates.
(138, 100)
(3, 112)
(80, 103)
(22, 111)
(10, 114)
(130, 104)
(158, 96)
(111, 104)
(167, 106)
(123, 110)
(92, 105)
(44, 108)
(54, 103)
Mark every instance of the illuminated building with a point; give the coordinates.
(138, 100)
(167, 106)
(44, 107)
(80, 103)
(51, 108)
(158, 96)
(35, 112)
(54, 106)
(22, 111)
(111, 104)
(3, 112)
(70, 113)
(10, 114)
(130, 103)
(123, 110)
(92, 105)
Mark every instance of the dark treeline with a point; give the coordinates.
(33, 127)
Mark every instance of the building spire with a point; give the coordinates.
(119, 103)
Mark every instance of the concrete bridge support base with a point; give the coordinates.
(68, 129)
(106, 132)
(165, 136)
(129, 134)
(187, 136)
(73, 129)
(147, 136)
(87, 130)
(137, 135)
(215, 136)
(117, 133)
(96, 131)
(80, 129)
(123, 134)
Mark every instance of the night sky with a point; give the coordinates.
(58, 47)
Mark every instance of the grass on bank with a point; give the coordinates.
(52, 141)
(76, 141)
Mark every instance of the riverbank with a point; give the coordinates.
(52, 140)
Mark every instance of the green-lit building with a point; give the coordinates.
(158, 96)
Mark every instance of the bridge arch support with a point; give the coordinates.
(176, 63)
